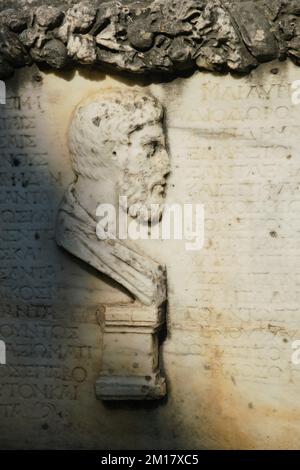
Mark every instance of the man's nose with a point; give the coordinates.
(165, 162)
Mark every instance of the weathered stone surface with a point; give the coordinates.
(53, 54)
(130, 365)
(233, 306)
(11, 49)
(158, 36)
(117, 148)
(255, 30)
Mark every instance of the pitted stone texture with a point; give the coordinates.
(158, 36)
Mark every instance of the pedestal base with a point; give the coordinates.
(131, 388)
(130, 353)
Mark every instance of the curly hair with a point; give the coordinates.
(104, 122)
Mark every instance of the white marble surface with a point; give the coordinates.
(234, 306)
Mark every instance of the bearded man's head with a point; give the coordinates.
(120, 134)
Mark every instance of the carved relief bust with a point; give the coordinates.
(117, 148)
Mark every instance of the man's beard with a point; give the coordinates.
(145, 202)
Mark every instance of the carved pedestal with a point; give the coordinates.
(130, 353)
